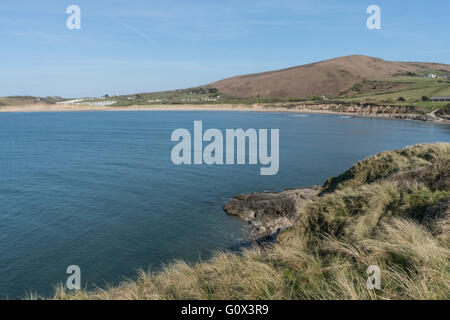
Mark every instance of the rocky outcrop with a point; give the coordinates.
(357, 109)
(268, 213)
(443, 113)
(400, 112)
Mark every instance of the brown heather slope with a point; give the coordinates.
(329, 77)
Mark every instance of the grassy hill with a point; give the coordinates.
(329, 77)
(358, 79)
(27, 100)
(350, 79)
(391, 210)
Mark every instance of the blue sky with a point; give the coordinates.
(141, 46)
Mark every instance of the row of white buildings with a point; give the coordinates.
(88, 101)
(435, 76)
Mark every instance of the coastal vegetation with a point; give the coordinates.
(391, 210)
(26, 100)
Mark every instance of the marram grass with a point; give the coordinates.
(390, 210)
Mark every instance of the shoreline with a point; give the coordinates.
(302, 109)
(269, 213)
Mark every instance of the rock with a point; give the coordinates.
(268, 213)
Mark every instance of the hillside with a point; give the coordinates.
(329, 78)
(391, 210)
(352, 80)
(27, 100)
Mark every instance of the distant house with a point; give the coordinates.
(444, 98)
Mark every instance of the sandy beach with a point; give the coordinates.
(221, 107)
(180, 107)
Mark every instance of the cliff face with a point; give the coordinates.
(369, 110)
(444, 113)
(361, 109)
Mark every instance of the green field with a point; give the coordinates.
(198, 95)
(397, 91)
(411, 89)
